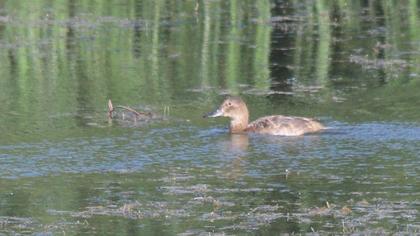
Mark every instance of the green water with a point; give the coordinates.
(66, 170)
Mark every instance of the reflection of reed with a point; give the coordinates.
(2, 25)
(233, 50)
(262, 43)
(414, 28)
(324, 43)
(205, 46)
(137, 30)
(91, 56)
(155, 44)
(70, 39)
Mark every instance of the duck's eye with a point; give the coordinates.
(229, 104)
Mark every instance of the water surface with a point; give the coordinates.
(64, 169)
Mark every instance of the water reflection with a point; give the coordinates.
(137, 30)
(354, 64)
(237, 146)
(301, 55)
(238, 142)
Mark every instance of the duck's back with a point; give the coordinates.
(284, 125)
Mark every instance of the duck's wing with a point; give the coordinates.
(284, 125)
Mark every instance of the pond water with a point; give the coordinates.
(65, 169)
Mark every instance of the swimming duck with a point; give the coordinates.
(236, 109)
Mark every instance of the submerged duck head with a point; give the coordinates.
(234, 108)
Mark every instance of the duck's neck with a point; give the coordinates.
(239, 124)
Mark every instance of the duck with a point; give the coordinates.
(235, 108)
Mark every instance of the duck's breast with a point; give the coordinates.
(284, 125)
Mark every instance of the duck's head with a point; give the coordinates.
(234, 108)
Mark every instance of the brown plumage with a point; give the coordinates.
(236, 109)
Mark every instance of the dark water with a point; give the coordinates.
(64, 169)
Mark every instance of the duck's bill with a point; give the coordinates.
(215, 113)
